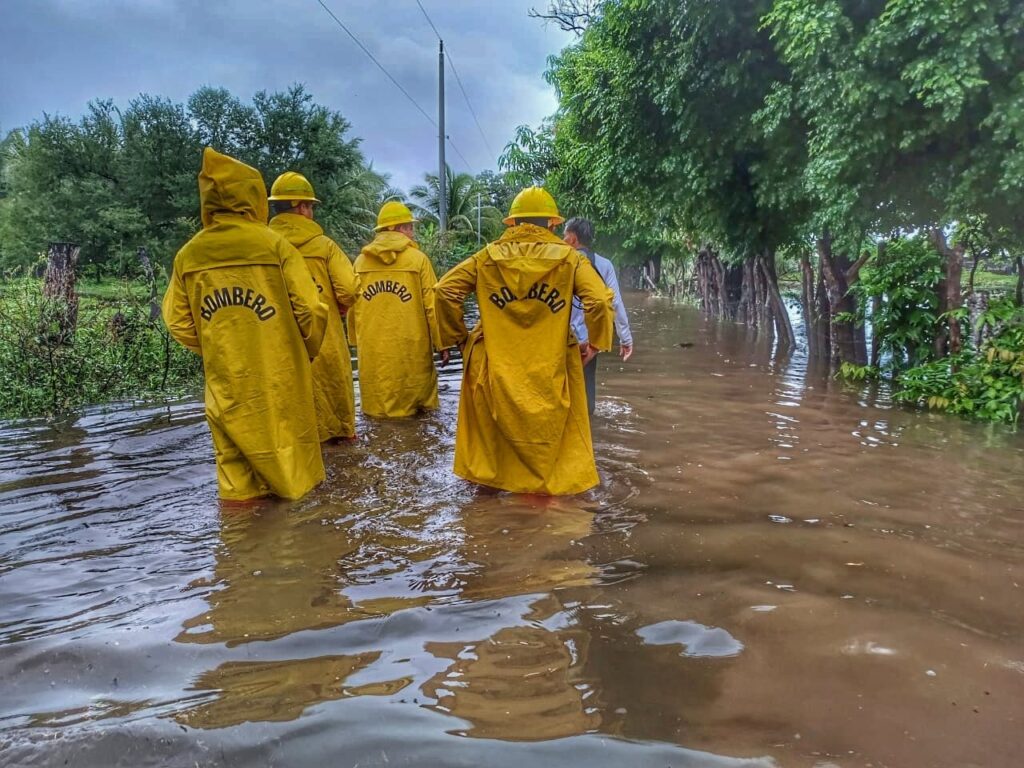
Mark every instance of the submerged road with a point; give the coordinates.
(776, 571)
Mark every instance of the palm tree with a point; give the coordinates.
(350, 206)
(463, 195)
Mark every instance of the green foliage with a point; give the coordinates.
(657, 125)
(499, 191)
(987, 384)
(762, 126)
(463, 194)
(857, 373)
(445, 252)
(115, 353)
(903, 276)
(119, 179)
(915, 110)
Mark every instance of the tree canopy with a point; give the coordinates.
(118, 179)
(763, 124)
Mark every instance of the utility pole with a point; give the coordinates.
(477, 219)
(442, 175)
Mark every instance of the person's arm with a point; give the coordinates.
(350, 325)
(310, 313)
(449, 295)
(427, 282)
(621, 319)
(577, 324)
(178, 314)
(342, 276)
(598, 302)
(579, 329)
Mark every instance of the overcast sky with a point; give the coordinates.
(59, 54)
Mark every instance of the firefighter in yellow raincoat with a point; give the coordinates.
(523, 424)
(292, 201)
(392, 323)
(241, 297)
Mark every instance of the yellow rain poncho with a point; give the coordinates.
(392, 327)
(523, 423)
(241, 297)
(336, 281)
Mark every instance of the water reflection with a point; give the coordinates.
(523, 682)
(275, 573)
(520, 684)
(516, 546)
(268, 691)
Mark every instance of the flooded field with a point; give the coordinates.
(776, 571)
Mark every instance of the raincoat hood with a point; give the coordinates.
(524, 256)
(296, 229)
(386, 246)
(232, 187)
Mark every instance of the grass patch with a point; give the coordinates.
(116, 351)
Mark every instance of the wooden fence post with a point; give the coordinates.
(147, 270)
(59, 286)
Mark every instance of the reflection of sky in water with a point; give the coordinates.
(696, 639)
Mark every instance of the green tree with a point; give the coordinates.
(464, 197)
(117, 180)
(655, 134)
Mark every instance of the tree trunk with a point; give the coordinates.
(822, 318)
(147, 271)
(977, 305)
(703, 288)
(1018, 294)
(974, 268)
(747, 313)
(760, 294)
(876, 344)
(780, 315)
(706, 281)
(807, 299)
(59, 286)
(733, 288)
(719, 271)
(655, 267)
(844, 347)
(860, 338)
(948, 341)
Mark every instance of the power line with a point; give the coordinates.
(428, 19)
(458, 79)
(379, 65)
(468, 104)
(398, 85)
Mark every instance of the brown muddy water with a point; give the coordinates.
(775, 572)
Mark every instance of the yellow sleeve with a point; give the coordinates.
(598, 304)
(342, 275)
(350, 317)
(449, 295)
(310, 313)
(178, 314)
(427, 282)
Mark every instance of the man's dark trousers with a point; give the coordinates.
(590, 379)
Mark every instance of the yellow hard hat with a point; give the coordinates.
(393, 213)
(292, 186)
(533, 203)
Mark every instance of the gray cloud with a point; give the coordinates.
(72, 51)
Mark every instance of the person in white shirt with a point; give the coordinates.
(579, 233)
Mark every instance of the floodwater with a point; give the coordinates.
(776, 571)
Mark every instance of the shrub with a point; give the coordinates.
(115, 352)
(986, 384)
